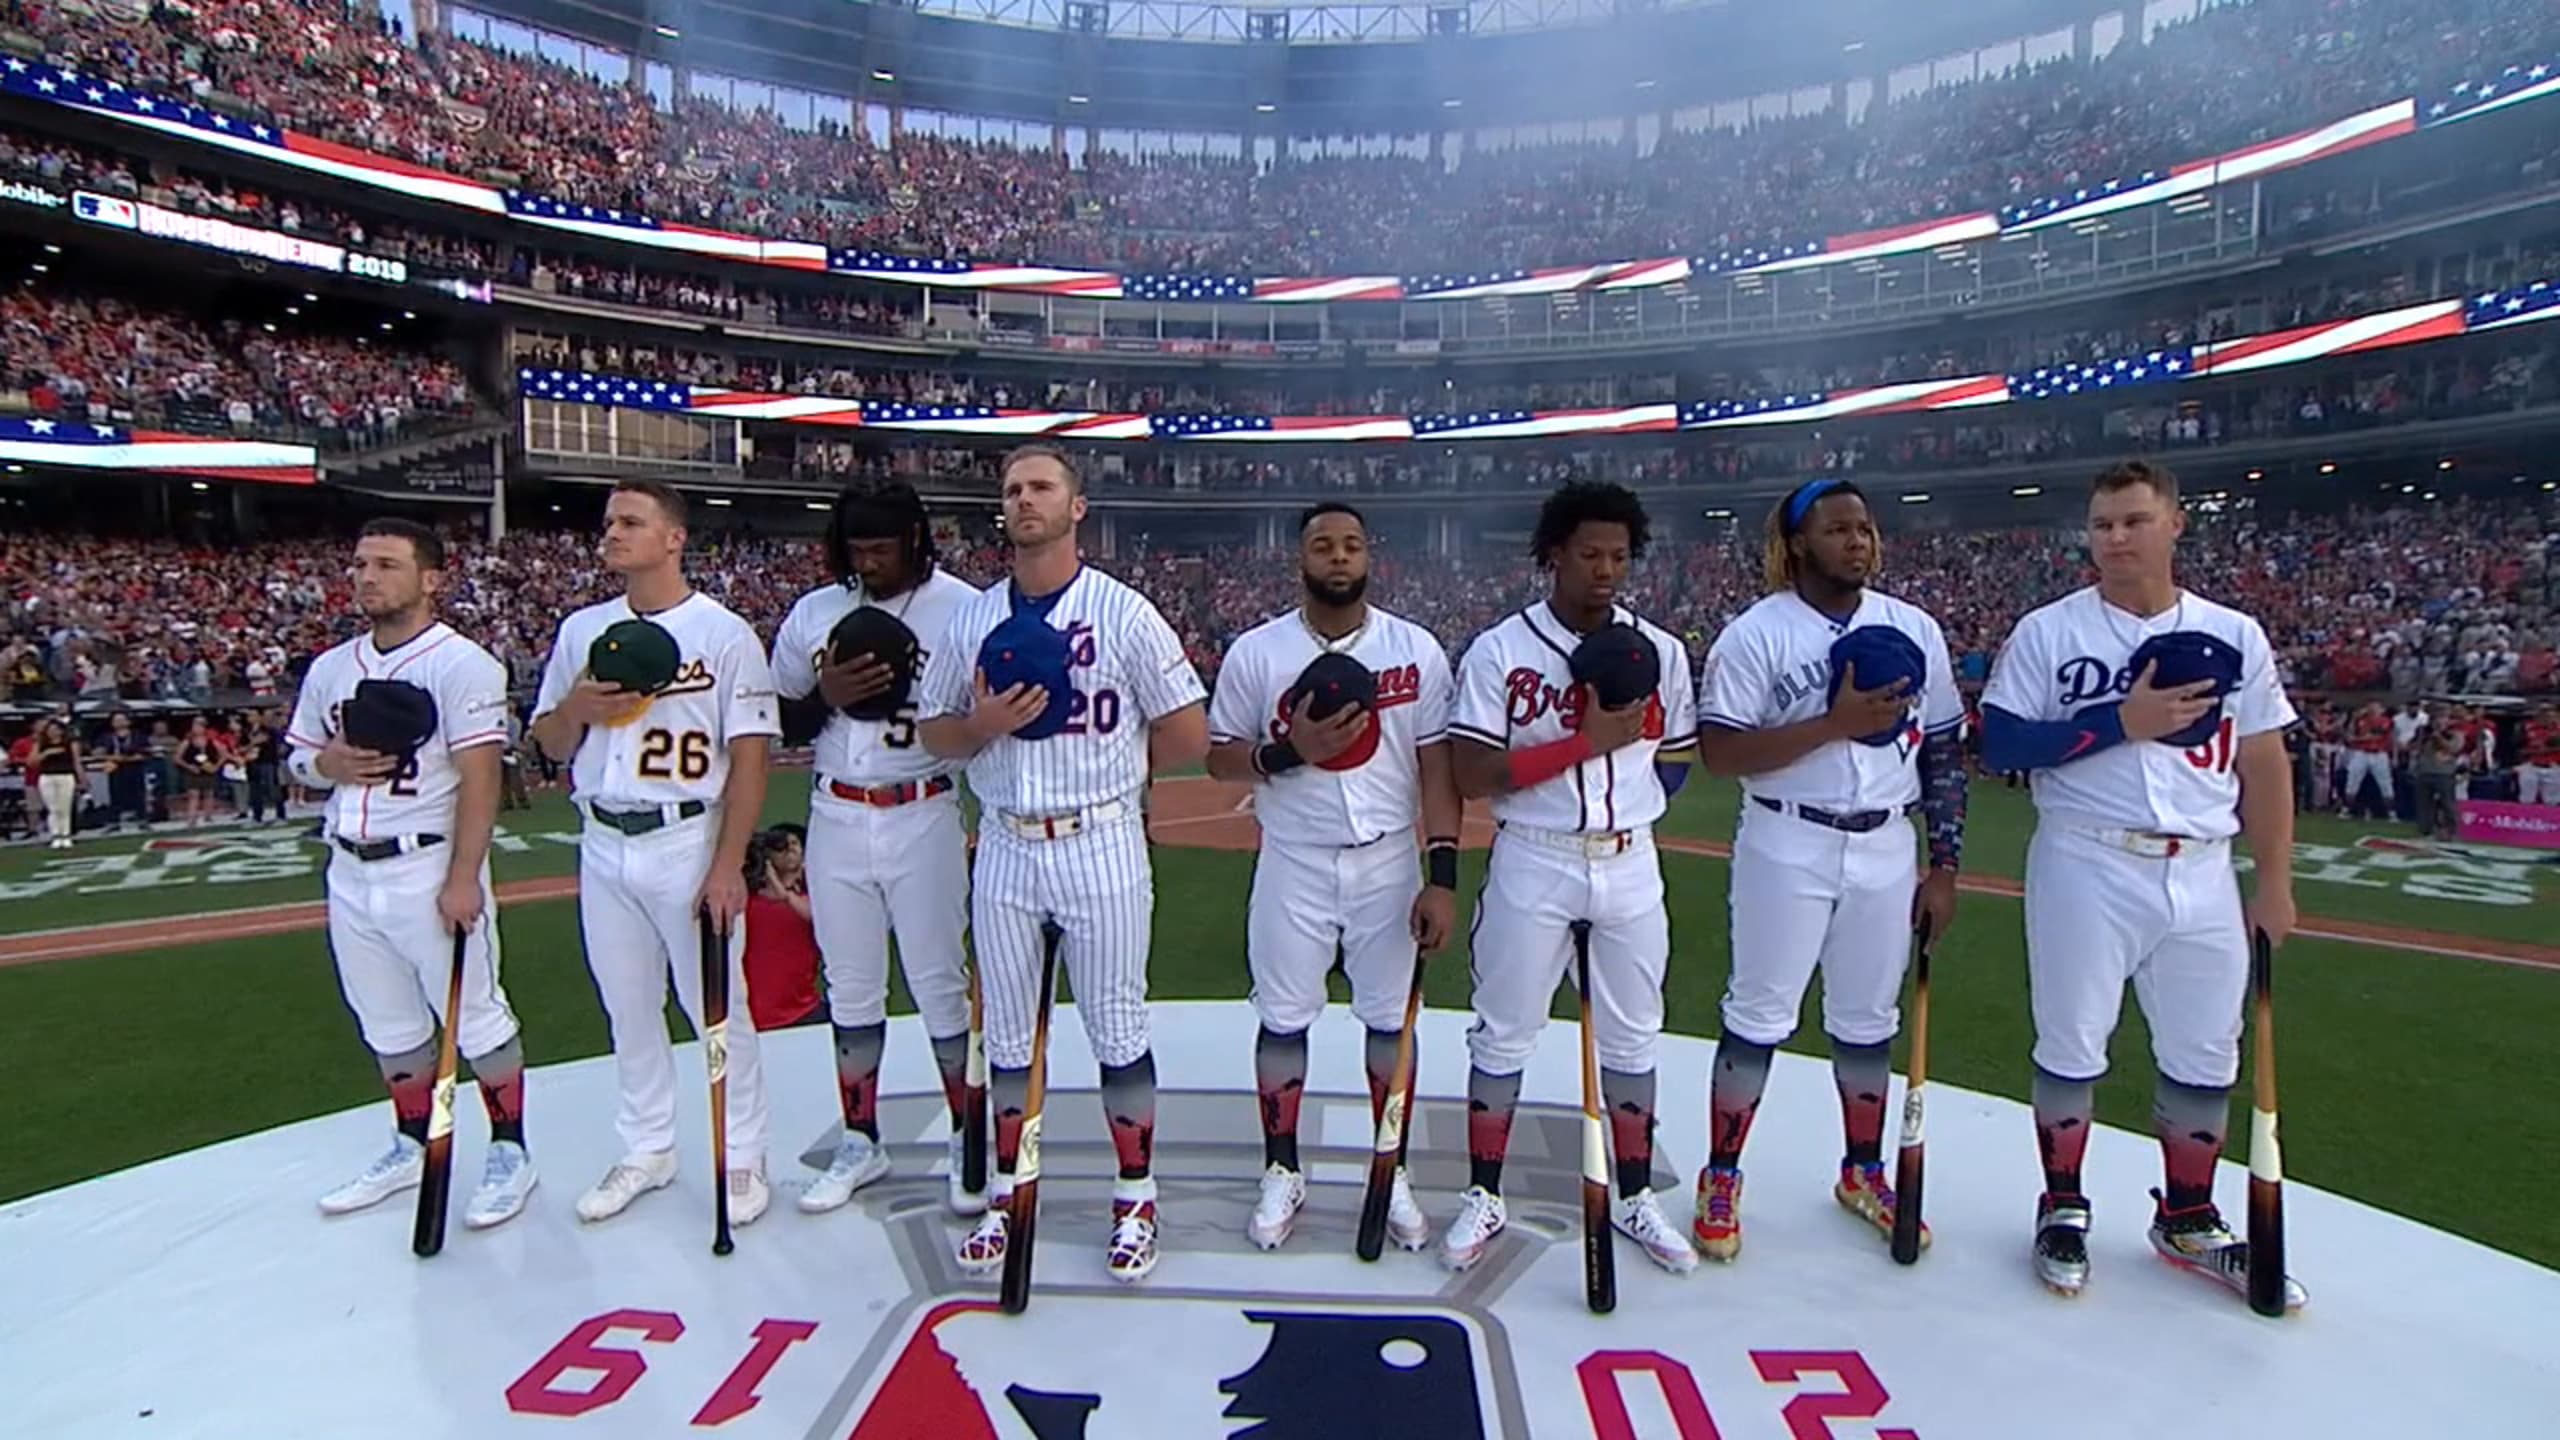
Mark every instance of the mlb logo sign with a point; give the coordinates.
(1138, 1367)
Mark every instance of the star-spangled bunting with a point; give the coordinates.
(1698, 412)
(882, 260)
(2513, 85)
(2072, 378)
(86, 445)
(1192, 427)
(2038, 209)
(1186, 287)
(2524, 305)
(1473, 420)
(540, 207)
(624, 391)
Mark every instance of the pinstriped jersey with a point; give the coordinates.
(677, 747)
(1772, 667)
(867, 752)
(1311, 805)
(1125, 670)
(470, 690)
(1516, 690)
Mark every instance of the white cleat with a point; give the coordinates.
(631, 1177)
(1639, 1217)
(400, 1168)
(1407, 1226)
(1275, 1214)
(1481, 1217)
(859, 1161)
(964, 1202)
(506, 1181)
(748, 1197)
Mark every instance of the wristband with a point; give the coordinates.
(304, 765)
(1277, 758)
(1440, 863)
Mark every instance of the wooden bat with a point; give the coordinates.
(714, 941)
(973, 1095)
(1023, 1215)
(1393, 1112)
(2266, 1160)
(1599, 1253)
(1907, 1176)
(436, 1185)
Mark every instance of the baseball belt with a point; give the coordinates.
(371, 850)
(884, 797)
(1855, 822)
(1591, 844)
(642, 822)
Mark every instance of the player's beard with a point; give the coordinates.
(1335, 593)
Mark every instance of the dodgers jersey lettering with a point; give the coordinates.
(2077, 652)
(678, 748)
(1772, 667)
(1314, 806)
(470, 689)
(1516, 689)
(1126, 669)
(867, 752)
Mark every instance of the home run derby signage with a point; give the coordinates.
(204, 1295)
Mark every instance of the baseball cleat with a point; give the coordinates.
(507, 1178)
(748, 1196)
(963, 1201)
(1407, 1226)
(399, 1168)
(1864, 1192)
(1481, 1216)
(1639, 1217)
(859, 1160)
(2197, 1240)
(2061, 1250)
(1275, 1214)
(1133, 1240)
(631, 1177)
(982, 1252)
(1718, 1228)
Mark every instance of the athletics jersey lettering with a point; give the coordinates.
(1515, 688)
(470, 690)
(1311, 805)
(677, 747)
(1772, 667)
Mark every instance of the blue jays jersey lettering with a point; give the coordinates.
(867, 752)
(1772, 667)
(2078, 652)
(1516, 688)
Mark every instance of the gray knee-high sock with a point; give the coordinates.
(501, 1077)
(1733, 1098)
(2063, 1111)
(1129, 1103)
(410, 1076)
(1380, 1052)
(1864, 1075)
(2191, 1120)
(1491, 1099)
(1280, 1081)
(858, 1075)
(1629, 1097)
(951, 1057)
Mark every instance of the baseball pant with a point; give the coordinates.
(2325, 761)
(60, 796)
(1306, 900)
(1808, 896)
(1100, 888)
(1537, 884)
(394, 954)
(2098, 915)
(877, 870)
(2538, 785)
(637, 915)
(2369, 763)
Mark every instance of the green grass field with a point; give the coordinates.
(2411, 1080)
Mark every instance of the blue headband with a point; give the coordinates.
(1802, 501)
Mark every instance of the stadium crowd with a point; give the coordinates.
(2029, 132)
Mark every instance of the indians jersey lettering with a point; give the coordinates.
(470, 690)
(1516, 689)
(1772, 667)
(1314, 806)
(678, 746)
(1126, 670)
(867, 752)
(2077, 652)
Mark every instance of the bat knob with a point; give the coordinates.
(723, 1247)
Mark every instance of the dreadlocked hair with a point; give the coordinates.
(1580, 502)
(1777, 558)
(881, 508)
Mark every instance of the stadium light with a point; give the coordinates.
(2551, 484)
(1853, 47)
(2328, 467)
(2024, 491)
(2444, 464)
(669, 32)
(2430, 495)
(293, 309)
(821, 506)
(720, 500)
(52, 249)
(1915, 497)
(310, 299)
(2257, 474)
(884, 76)
(17, 469)
(1644, 84)
(1264, 107)
(198, 486)
(1452, 103)
(2408, 489)
(40, 267)
(1079, 99)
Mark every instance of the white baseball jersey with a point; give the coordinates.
(1126, 669)
(1772, 667)
(1314, 806)
(2077, 652)
(867, 752)
(678, 748)
(1516, 689)
(470, 690)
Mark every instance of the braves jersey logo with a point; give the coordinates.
(1530, 698)
(2085, 678)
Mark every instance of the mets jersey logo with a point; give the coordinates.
(1530, 698)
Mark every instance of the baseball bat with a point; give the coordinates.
(1393, 1112)
(1023, 1216)
(1599, 1255)
(2266, 1160)
(973, 1095)
(1908, 1164)
(714, 942)
(435, 1187)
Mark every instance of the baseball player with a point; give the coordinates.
(886, 848)
(2369, 754)
(1836, 706)
(2129, 875)
(670, 786)
(2538, 779)
(1337, 799)
(1061, 835)
(409, 863)
(1575, 790)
